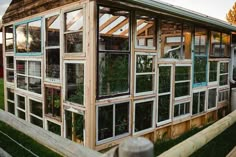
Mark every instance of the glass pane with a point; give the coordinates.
(53, 31)
(68, 128)
(121, 118)
(10, 62)
(176, 110)
(182, 109)
(21, 38)
(53, 102)
(9, 38)
(211, 98)
(213, 72)
(79, 126)
(113, 74)
(225, 44)
(9, 45)
(223, 80)
(36, 108)
(187, 36)
(21, 67)
(75, 83)
(21, 102)
(105, 122)
(224, 68)
(22, 82)
(113, 29)
(10, 76)
(145, 31)
(195, 103)
(144, 83)
(145, 63)
(36, 121)
(200, 66)
(215, 44)
(34, 36)
(74, 20)
(182, 73)
(56, 129)
(200, 39)
(202, 101)
(10, 94)
(34, 68)
(21, 114)
(164, 79)
(182, 89)
(143, 115)
(163, 108)
(11, 107)
(53, 63)
(74, 42)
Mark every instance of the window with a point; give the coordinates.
(223, 96)
(28, 37)
(29, 75)
(75, 83)
(164, 96)
(10, 69)
(200, 57)
(182, 81)
(113, 52)
(20, 107)
(36, 113)
(198, 102)
(74, 126)
(9, 39)
(73, 33)
(54, 128)
(53, 102)
(10, 101)
(181, 109)
(175, 40)
(144, 115)
(212, 98)
(213, 71)
(224, 74)
(220, 44)
(52, 25)
(145, 31)
(113, 121)
(145, 73)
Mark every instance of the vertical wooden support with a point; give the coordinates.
(4, 68)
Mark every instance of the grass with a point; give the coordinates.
(1, 94)
(163, 145)
(15, 150)
(219, 146)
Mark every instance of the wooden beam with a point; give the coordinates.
(51, 20)
(145, 28)
(138, 24)
(108, 22)
(120, 25)
(74, 19)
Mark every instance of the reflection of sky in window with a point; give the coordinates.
(104, 18)
(56, 23)
(77, 25)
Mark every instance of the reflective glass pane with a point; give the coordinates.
(74, 20)
(182, 89)
(36, 121)
(53, 31)
(211, 98)
(163, 108)
(145, 63)
(144, 83)
(164, 79)
(200, 41)
(34, 68)
(53, 63)
(21, 67)
(121, 118)
(74, 42)
(182, 73)
(200, 67)
(213, 72)
(55, 128)
(34, 36)
(36, 108)
(34, 85)
(22, 82)
(21, 38)
(10, 62)
(21, 102)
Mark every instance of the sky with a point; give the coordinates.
(213, 8)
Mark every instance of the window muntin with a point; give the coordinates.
(145, 31)
(181, 109)
(224, 74)
(144, 116)
(10, 101)
(28, 37)
(74, 83)
(213, 71)
(212, 98)
(53, 31)
(36, 113)
(198, 102)
(223, 96)
(9, 38)
(220, 44)
(113, 121)
(145, 73)
(53, 102)
(73, 33)
(29, 75)
(10, 69)
(74, 126)
(20, 107)
(54, 128)
(182, 81)
(176, 40)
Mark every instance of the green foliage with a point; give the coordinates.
(78, 96)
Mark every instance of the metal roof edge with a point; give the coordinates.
(184, 12)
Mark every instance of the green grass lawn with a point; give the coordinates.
(1, 94)
(13, 149)
(219, 146)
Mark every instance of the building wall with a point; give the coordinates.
(131, 74)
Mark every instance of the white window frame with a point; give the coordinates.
(198, 106)
(219, 74)
(213, 108)
(9, 100)
(184, 81)
(55, 122)
(114, 137)
(64, 78)
(185, 114)
(145, 73)
(27, 60)
(153, 117)
(33, 115)
(223, 98)
(163, 94)
(20, 109)
(10, 69)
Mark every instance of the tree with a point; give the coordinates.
(231, 15)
